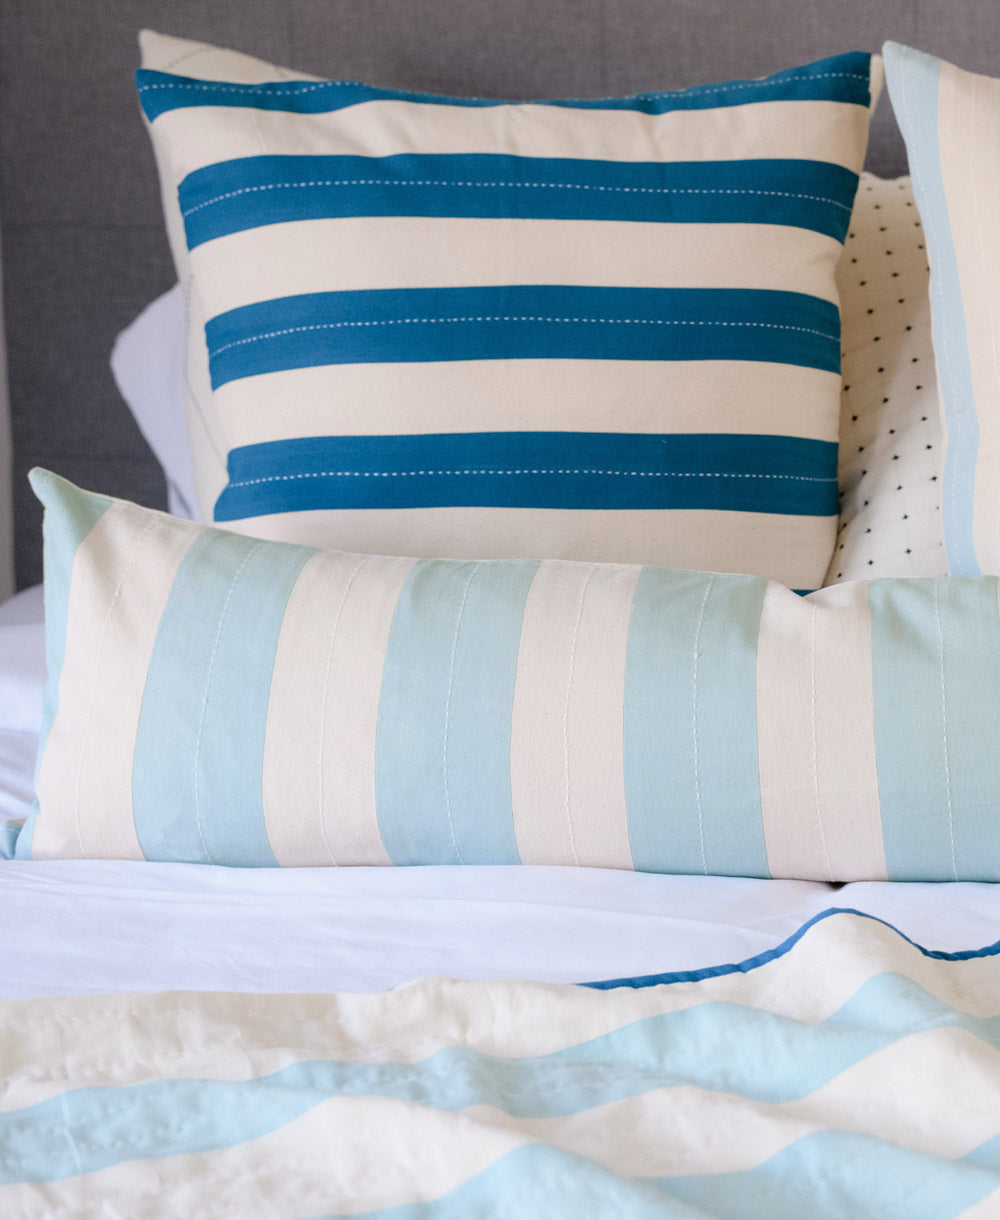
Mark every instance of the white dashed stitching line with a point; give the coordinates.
(701, 91)
(557, 186)
(294, 330)
(632, 474)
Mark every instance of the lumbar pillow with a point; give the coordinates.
(601, 330)
(217, 698)
(950, 120)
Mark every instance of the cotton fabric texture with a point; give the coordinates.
(221, 699)
(950, 120)
(598, 330)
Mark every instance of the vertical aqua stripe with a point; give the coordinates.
(442, 767)
(913, 80)
(200, 742)
(935, 651)
(691, 773)
(70, 515)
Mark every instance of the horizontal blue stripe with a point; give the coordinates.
(843, 78)
(233, 196)
(594, 470)
(523, 321)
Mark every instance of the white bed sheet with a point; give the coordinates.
(86, 927)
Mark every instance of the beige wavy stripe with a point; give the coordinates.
(122, 575)
(192, 137)
(566, 725)
(527, 396)
(322, 718)
(686, 1130)
(667, 1131)
(790, 549)
(968, 136)
(816, 736)
(344, 1156)
(988, 1208)
(388, 252)
(49, 1045)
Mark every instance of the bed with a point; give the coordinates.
(532, 1013)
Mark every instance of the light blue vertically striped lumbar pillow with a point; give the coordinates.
(602, 330)
(218, 698)
(950, 120)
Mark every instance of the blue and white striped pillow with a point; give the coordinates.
(215, 698)
(602, 330)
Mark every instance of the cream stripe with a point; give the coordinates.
(816, 736)
(811, 130)
(685, 1130)
(667, 1131)
(529, 396)
(784, 548)
(385, 252)
(567, 769)
(969, 128)
(49, 1045)
(987, 1208)
(344, 1156)
(319, 751)
(116, 600)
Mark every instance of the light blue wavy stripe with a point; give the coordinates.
(442, 755)
(691, 771)
(70, 515)
(716, 1046)
(827, 1175)
(938, 788)
(912, 78)
(197, 772)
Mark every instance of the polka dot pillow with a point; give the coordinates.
(890, 432)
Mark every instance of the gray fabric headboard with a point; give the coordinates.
(82, 240)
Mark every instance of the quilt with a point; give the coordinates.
(848, 1073)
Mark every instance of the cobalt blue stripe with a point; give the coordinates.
(197, 773)
(523, 321)
(913, 83)
(442, 755)
(691, 774)
(233, 196)
(592, 470)
(841, 78)
(936, 646)
(68, 520)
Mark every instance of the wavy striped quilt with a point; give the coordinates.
(846, 1074)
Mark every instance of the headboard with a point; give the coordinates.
(82, 239)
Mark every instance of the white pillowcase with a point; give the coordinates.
(891, 450)
(148, 361)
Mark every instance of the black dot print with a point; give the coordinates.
(887, 520)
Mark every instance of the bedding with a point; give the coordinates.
(819, 1079)
(221, 699)
(654, 384)
(147, 361)
(950, 120)
(891, 450)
